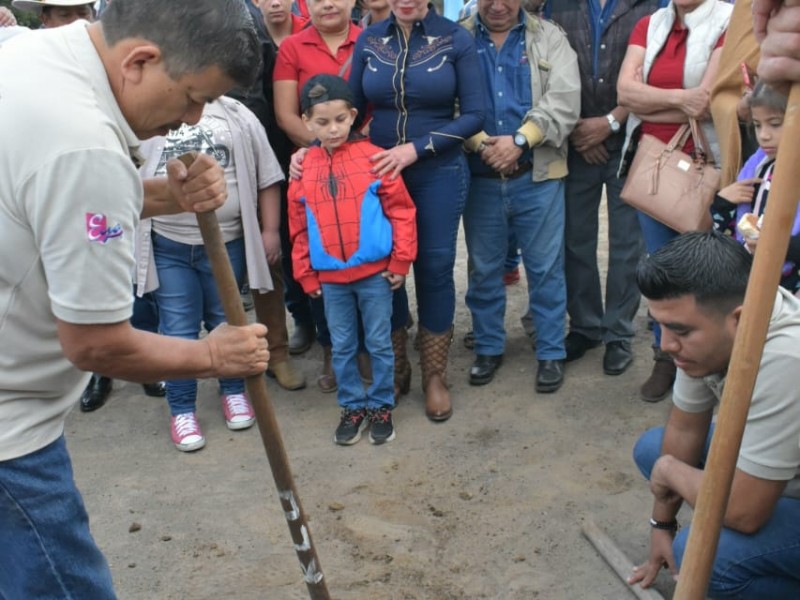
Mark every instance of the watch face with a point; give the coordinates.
(520, 140)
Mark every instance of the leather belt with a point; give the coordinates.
(521, 170)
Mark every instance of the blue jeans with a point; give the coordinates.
(343, 301)
(187, 297)
(46, 549)
(513, 257)
(438, 187)
(535, 214)
(656, 235)
(761, 566)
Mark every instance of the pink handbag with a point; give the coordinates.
(669, 185)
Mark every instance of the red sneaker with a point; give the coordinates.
(238, 411)
(511, 277)
(186, 433)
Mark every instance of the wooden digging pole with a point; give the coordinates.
(745, 361)
(265, 415)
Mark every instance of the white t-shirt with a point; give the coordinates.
(70, 197)
(771, 442)
(212, 135)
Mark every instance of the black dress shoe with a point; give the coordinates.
(618, 357)
(549, 376)
(482, 371)
(96, 393)
(155, 390)
(576, 345)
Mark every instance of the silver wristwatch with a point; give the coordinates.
(520, 141)
(613, 123)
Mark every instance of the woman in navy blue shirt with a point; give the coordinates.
(411, 71)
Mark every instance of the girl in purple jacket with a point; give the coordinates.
(751, 190)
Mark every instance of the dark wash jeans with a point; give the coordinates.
(439, 189)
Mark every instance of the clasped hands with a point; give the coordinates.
(500, 153)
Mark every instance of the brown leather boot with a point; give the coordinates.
(327, 379)
(286, 373)
(433, 350)
(659, 384)
(402, 367)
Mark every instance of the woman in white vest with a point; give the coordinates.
(666, 78)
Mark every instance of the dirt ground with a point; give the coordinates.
(488, 505)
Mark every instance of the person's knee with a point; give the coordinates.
(434, 267)
(647, 450)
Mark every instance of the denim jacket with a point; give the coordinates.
(413, 86)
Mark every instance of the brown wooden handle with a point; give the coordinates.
(265, 415)
(745, 361)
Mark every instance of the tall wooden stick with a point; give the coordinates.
(748, 347)
(265, 415)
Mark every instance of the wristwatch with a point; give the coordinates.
(613, 123)
(521, 141)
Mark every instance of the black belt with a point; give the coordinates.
(521, 170)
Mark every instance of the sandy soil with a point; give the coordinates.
(486, 506)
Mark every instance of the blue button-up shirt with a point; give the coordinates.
(412, 85)
(507, 91)
(599, 20)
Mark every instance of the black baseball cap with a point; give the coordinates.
(325, 88)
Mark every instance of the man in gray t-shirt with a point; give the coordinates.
(70, 199)
(695, 287)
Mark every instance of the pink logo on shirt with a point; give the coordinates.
(97, 229)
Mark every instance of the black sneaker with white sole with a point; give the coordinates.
(381, 428)
(350, 425)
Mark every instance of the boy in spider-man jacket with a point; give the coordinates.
(354, 238)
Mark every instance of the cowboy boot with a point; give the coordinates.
(327, 379)
(433, 350)
(402, 367)
(271, 311)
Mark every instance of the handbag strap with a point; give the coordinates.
(700, 141)
(679, 139)
(346, 65)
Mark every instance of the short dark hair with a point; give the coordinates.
(766, 96)
(49, 8)
(710, 266)
(192, 34)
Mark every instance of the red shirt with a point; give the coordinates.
(305, 54)
(666, 72)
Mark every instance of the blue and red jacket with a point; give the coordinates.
(347, 224)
